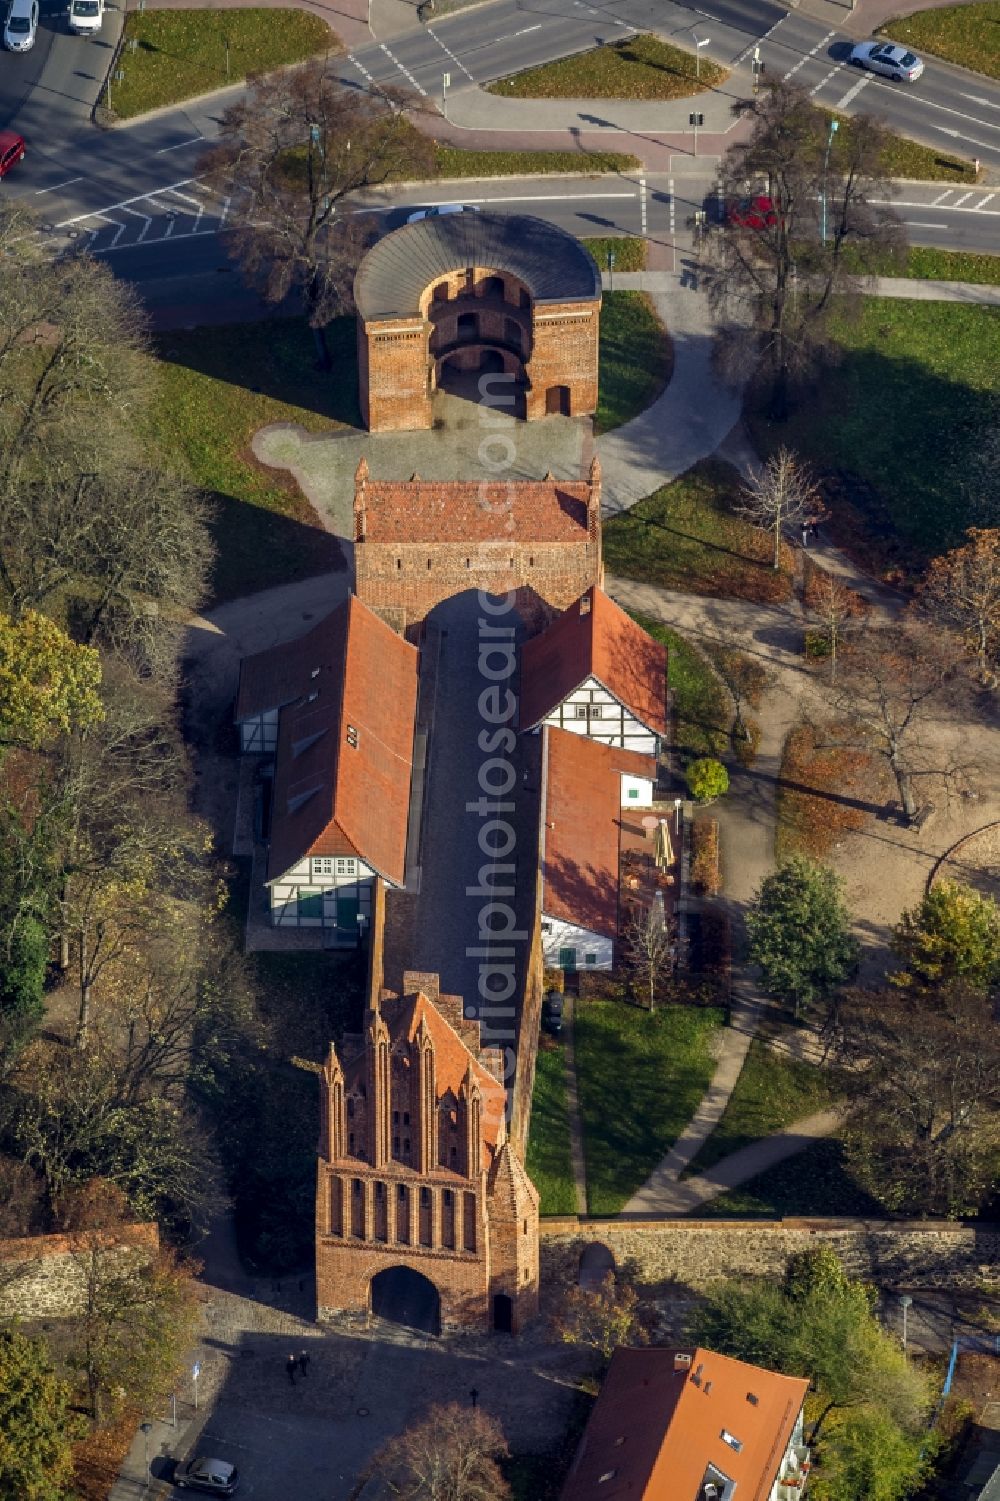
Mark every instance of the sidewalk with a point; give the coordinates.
(884, 286)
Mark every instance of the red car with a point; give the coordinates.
(11, 150)
(757, 212)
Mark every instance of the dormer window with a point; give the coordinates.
(585, 605)
(352, 737)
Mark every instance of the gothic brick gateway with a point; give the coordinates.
(463, 294)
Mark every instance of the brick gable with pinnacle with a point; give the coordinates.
(419, 542)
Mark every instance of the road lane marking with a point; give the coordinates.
(990, 213)
(642, 205)
(824, 81)
(948, 110)
(988, 199)
(957, 135)
(144, 231)
(942, 196)
(959, 201)
(673, 206)
(853, 92)
(178, 144)
(918, 224)
(361, 68)
(762, 38)
(807, 55)
(185, 182)
(58, 187)
(989, 103)
(456, 60)
(404, 70)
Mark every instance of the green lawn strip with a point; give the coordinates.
(217, 387)
(905, 158)
(456, 161)
(550, 1165)
(688, 536)
(667, 1060)
(635, 358)
(629, 254)
(931, 370)
(965, 34)
(702, 711)
(817, 1181)
(772, 1092)
(639, 67)
(182, 53)
(923, 263)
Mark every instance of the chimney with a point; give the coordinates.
(682, 1362)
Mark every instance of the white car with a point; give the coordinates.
(439, 209)
(887, 59)
(21, 25)
(85, 16)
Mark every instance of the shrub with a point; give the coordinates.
(747, 744)
(705, 856)
(817, 644)
(707, 779)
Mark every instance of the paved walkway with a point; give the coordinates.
(659, 282)
(663, 1195)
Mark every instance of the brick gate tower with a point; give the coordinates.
(421, 1199)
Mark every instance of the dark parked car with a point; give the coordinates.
(216, 1476)
(11, 150)
(552, 1013)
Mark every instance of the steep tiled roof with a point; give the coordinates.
(345, 749)
(525, 512)
(655, 1430)
(594, 638)
(270, 679)
(510, 1187)
(581, 834)
(551, 263)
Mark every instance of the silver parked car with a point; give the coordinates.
(887, 59)
(216, 1476)
(21, 26)
(439, 210)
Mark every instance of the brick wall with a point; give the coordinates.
(692, 1253)
(42, 1275)
(564, 353)
(393, 375)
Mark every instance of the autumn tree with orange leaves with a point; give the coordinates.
(962, 590)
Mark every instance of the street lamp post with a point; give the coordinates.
(678, 804)
(445, 81)
(611, 270)
(697, 54)
(905, 1304)
(834, 127)
(147, 1429)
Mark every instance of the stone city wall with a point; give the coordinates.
(44, 1275)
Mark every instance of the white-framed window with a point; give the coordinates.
(322, 865)
(579, 711)
(595, 711)
(346, 866)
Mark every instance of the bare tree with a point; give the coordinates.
(449, 1454)
(649, 949)
(894, 682)
(778, 495)
(924, 1079)
(836, 609)
(290, 152)
(962, 590)
(775, 277)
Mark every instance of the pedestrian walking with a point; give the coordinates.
(805, 534)
(304, 1362)
(290, 1365)
(475, 1397)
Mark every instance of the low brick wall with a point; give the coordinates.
(43, 1275)
(693, 1253)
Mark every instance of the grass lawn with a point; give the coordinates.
(816, 1182)
(905, 158)
(640, 67)
(667, 1060)
(636, 358)
(455, 161)
(772, 1092)
(629, 254)
(931, 370)
(549, 1164)
(182, 53)
(687, 536)
(926, 264)
(218, 386)
(965, 34)
(702, 710)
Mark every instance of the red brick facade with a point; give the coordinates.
(416, 1171)
(478, 319)
(419, 543)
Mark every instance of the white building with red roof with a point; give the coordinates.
(596, 672)
(337, 710)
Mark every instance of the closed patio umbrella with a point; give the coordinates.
(664, 849)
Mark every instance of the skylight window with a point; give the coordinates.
(731, 1439)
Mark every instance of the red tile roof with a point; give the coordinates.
(582, 827)
(523, 512)
(655, 1430)
(594, 638)
(345, 747)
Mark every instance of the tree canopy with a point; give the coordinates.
(37, 1426)
(953, 934)
(48, 683)
(799, 932)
